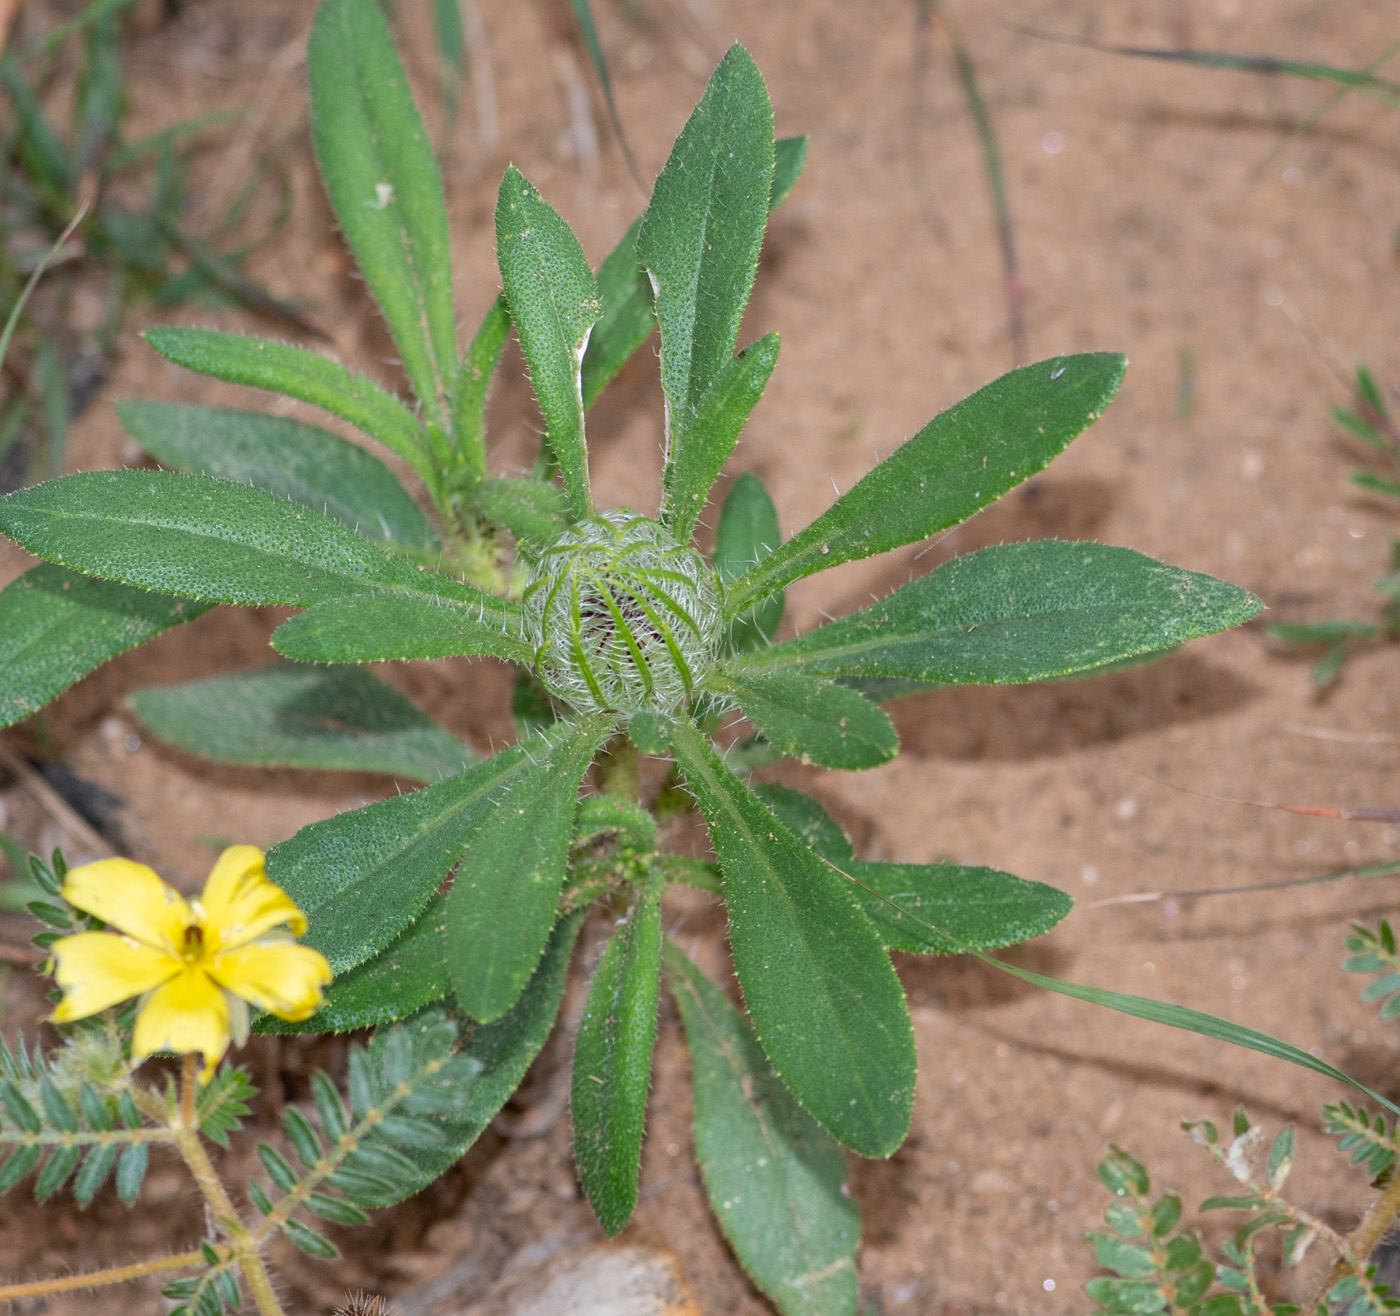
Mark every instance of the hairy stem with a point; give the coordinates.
(1364, 1237)
(96, 1278)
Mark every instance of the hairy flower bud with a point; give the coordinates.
(622, 618)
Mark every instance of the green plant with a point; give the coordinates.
(76, 1115)
(127, 200)
(1371, 422)
(629, 643)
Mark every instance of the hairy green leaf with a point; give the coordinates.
(1019, 612)
(806, 820)
(963, 459)
(695, 464)
(612, 1063)
(56, 626)
(789, 159)
(285, 457)
(285, 717)
(530, 509)
(911, 904)
(817, 721)
(383, 181)
(209, 539)
(297, 373)
(502, 903)
(777, 1182)
(626, 316)
(701, 233)
(553, 301)
(474, 377)
(748, 533)
(361, 877)
(376, 629)
(816, 977)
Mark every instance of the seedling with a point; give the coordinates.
(629, 641)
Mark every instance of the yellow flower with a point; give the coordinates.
(195, 963)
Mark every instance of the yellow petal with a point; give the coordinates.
(189, 1013)
(280, 977)
(98, 969)
(239, 903)
(131, 898)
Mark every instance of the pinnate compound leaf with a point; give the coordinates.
(721, 413)
(338, 718)
(297, 373)
(553, 301)
(911, 904)
(383, 181)
(375, 629)
(502, 903)
(814, 720)
(406, 975)
(56, 626)
(208, 539)
(963, 459)
(500, 1051)
(286, 457)
(612, 1063)
(777, 1182)
(701, 234)
(817, 979)
(748, 533)
(361, 877)
(1019, 612)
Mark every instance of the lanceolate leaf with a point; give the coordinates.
(817, 721)
(281, 368)
(362, 877)
(805, 818)
(777, 1182)
(748, 533)
(553, 301)
(503, 900)
(612, 1063)
(383, 181)
(978, 907)
(963, 459)
(285, 457)
(469, 394)
(406, 975)
(529, 509)
(702, 231)
(207, 539)
(789, 159)
(696, 463)
(57, 626)
(629, 313)
(1019, 612)
(505, 1050)
(290, 717)
(377, 629)
(816, 977)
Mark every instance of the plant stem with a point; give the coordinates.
(1365, 1236)
(191, 1149)
(95, 1278)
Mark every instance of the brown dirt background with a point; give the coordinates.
(1151, 231)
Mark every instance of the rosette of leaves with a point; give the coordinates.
(628, 639)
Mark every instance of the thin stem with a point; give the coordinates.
(243, 1247)
(95, 1278)
(1363, 1238)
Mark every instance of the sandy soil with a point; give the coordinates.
(1145, 223)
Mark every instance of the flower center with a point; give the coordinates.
(622, 617)
(193, 946)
